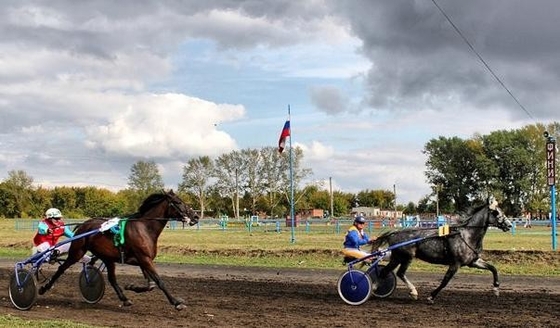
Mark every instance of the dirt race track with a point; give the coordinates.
(246, 297)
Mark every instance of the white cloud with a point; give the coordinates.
(166, 126)
(316, 152)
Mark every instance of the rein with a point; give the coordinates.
(153, 219)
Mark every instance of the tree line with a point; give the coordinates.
(236, 184)
(509, 164)
(506, 164)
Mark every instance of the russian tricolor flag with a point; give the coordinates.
(283, 135)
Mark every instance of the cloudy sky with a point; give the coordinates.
(89, 88)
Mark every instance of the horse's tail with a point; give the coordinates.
(381, 240)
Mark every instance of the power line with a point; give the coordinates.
(482, 59)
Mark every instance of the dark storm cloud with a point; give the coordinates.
(97, 28)
(419, 61)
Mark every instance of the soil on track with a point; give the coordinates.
(222, 296)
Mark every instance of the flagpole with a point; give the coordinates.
(292, 216)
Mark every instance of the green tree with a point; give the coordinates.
(41, 199)
(272, 169)
(457, 167)
(99, 202)
(513, 154)
(227, 170)
(376, 198)
(538, 196)
(64, 198)
(7, 203)
(298, 175)
(410, 208)
(144, 179)
(341, 203)
(18, 187)
(196, 179)
(252, 178)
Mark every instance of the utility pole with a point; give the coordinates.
(395, 202)
(437, 200)
(236, 196)
(330, 188)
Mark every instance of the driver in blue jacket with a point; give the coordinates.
(355, 238)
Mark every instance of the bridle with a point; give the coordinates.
(501, 222)
(178, 207)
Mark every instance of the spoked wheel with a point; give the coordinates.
(384, 286)
(24, 295)
(354, 287)
(92, 284)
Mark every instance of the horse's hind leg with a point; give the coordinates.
(113, 281)
(75, 253)
(401, 273)
(141, 289)
(481, 264)
(448, 275)
(69, 261)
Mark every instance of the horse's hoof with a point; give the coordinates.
(413, 296)
(180, 307)
(151, 286)
(127, 303)
(42, 290)
(430, 300)
(496, 291)
(129, 287)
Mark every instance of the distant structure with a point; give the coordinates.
(376, 213)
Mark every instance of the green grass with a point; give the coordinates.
(15, 322)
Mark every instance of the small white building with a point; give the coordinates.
(374, 212)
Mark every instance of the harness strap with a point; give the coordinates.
(469, 246)
(118, 230)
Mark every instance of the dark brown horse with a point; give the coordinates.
(141, 233)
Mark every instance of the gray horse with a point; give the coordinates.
(461, 247)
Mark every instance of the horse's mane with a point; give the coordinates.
(382, 238)
(465, 216)
(148, 203)
(387, 234)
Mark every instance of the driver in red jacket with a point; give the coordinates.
(49, 231)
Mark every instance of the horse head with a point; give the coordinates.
(497, 216)
(178, 209)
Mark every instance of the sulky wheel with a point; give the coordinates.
(92, 285)
(384, 287)
(354, 287)
(24, 295)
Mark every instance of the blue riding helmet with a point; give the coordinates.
(360, 219)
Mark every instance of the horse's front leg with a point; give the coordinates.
(141, 289)
(150, 271)
(448, 275)
(481, 264)
(401, 273)
(113, 281)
